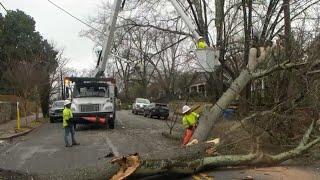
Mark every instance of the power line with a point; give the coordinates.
(3, 7)
(74, 17)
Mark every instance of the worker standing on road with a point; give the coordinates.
(189, 122)
(67, 124)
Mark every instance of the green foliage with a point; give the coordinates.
(19, 41)
(19, 38)
(25, 56)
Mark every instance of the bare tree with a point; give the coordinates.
(25, 79)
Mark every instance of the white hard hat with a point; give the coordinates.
(66, 102)
(185, 109)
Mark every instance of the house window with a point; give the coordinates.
(193, 89)
(202, 88)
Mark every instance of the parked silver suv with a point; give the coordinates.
(55, 112)
(139, 105)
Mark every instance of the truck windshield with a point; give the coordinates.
(90, 91)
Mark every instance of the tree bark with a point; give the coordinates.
(287, 28)
(247, 17)
(219, 5)
(209, 117)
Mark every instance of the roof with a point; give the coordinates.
(81, 79)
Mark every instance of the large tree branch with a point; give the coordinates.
(283, 66)
(195, 158)
(135, 24)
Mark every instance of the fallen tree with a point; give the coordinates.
(197, 157)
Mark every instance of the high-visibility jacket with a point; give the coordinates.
(190, 119)
(67, 115)
(202, 45)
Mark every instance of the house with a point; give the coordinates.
(199, 85)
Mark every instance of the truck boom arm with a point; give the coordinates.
(106, 51)
(186, 19)
(110, 28)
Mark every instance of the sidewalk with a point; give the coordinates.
(8, 129)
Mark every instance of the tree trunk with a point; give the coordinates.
(44, 92)
(287, 28)
(288, 46)
(247, 16)
(219, 22)
(202, 26)
(209, 117)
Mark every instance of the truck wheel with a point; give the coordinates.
(51, 120)
(111, 122)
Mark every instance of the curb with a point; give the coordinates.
(19, 134)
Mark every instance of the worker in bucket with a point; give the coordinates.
(201, 44)
(68, 125)
(189, 122)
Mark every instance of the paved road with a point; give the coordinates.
(42, 151)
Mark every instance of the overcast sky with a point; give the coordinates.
(60, 28)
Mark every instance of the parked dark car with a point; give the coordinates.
(55, 112)
(158, 110)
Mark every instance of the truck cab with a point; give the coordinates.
(93, 100)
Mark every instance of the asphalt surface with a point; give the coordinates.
(43, 152)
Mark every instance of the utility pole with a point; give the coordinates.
(62, 85)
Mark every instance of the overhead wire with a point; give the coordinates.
(78, 19)
(3, 7)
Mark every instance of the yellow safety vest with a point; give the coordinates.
(202, 45)
(67, 115)
(190, 119)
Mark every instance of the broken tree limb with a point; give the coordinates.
(192, 159)
(176, 160)
(283, 66)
